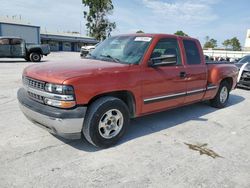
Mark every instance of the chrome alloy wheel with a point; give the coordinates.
(223, 94)
(111, 124)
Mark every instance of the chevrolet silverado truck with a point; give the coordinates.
(14, 47)
(125, 77)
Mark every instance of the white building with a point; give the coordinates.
(247, 42)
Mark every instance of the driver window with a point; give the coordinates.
(4, 42)
(167, 46)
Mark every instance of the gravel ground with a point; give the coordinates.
(152, 154)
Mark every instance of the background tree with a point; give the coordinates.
(210, 43)
(227, 43)
(232, 43)
(181, 33)
(98, 24)
(140, 31)
(235, 43)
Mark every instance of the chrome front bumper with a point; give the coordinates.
(65, 123)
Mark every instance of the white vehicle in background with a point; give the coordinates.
(86, 49)
(244, 72)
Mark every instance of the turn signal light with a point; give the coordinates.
(59, 104)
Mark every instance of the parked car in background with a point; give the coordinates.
(125, 77)
(14, 47)
(244, 72)
(86, 49)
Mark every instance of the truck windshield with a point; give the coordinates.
(121, 49)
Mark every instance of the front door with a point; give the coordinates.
(17, 48)
(5, 48)
(164, 86)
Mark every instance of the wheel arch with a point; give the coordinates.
(229, 80)
(126, 96)
(37, 50)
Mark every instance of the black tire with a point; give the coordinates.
(216, 101)
(27, 58)
(94, 116)
(35, 57)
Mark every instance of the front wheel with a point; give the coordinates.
(35, 57)
(221, 98)
(27, 58)
(105, 122)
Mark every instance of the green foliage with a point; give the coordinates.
(210, 43)
(226, 43)
(232, 43)
(235, 43)
(140, 31)
(98, 24)
(181, 33)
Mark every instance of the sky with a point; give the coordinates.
(218, 19)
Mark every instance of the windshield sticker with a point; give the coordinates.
(143, 39)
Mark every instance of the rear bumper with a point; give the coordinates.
(64, 123)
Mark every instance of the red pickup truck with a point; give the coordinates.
(126, 76)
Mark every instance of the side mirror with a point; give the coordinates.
(163, 60)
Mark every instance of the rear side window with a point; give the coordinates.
(16, 41)
(192, 52)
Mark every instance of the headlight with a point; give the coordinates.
(62, 96)
(59, 89)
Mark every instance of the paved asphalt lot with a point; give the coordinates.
(152, 154)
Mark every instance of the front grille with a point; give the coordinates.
(36, 84)
(245, 76)
(36, 97)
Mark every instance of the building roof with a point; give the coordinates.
(67, 37)
(12, 21)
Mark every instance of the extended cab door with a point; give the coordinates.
(17, 47)
(164, 86)
(195, 70)
(5, 48)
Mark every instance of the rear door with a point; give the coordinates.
(17, 48)
(5, 48)
(164, 86)
(196, 71)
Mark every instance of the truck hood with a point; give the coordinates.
(58, 72)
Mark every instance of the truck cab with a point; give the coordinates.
(15, 47)
(12, 47)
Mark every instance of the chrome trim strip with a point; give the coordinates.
(179, 94)
(49, 95)
(211, 87)
(164, 97)
(196, 91)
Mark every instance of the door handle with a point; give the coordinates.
(183, 74)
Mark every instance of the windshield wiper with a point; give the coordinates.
(112, 58)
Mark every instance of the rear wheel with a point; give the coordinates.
(105, 122)
(221, 98)
(35, 57)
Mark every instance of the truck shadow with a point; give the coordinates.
(20, 61)
(159, 121)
